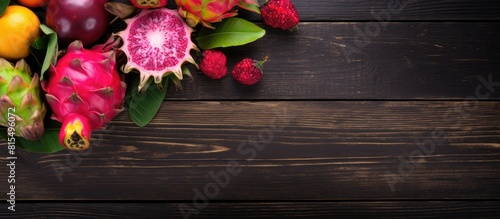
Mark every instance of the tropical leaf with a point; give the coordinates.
(144, 106)
(44, 49)
(48, 143)
(3, 6)
(229, 32)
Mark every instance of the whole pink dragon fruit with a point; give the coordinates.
(210, 11)
(157, 43)
(85, 92)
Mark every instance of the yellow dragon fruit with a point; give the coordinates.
(20, 103)
(210, 11)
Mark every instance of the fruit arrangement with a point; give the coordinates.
(67, 67)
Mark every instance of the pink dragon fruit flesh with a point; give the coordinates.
(157, 43)
(85, 92)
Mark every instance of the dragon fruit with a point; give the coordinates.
(85, 92)
(156, 42)
(20, 100)
(210, 11)
(149, 3)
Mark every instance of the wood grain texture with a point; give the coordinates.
(333, 135)
(370, 10)
(409, 10)
(404, 61)
(320, 150)
(306, 210)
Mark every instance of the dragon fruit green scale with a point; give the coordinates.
(143, 4)
(84, 92)
(20, 100)
(210, 11)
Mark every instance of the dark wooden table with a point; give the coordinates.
(371, 109)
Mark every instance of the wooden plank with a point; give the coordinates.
(320, 150)
(347, 10)
(361, 60)
(332, 61)
(362, 209)
(365, 60)
(401, 10)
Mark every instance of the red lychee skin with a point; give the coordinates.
(248, 71)
(213, 64)
(280, 14)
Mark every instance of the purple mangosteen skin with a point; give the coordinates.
(84, 20)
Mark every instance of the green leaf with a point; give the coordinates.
(229, 32)
(40, 43)
(3, 6)
(144, 106)
(48, 143)
(51, 55)
(38, 51)
(45, 48)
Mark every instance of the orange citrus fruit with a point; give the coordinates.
(19, 28)
(33, 3)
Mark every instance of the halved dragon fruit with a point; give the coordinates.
(157, 43)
